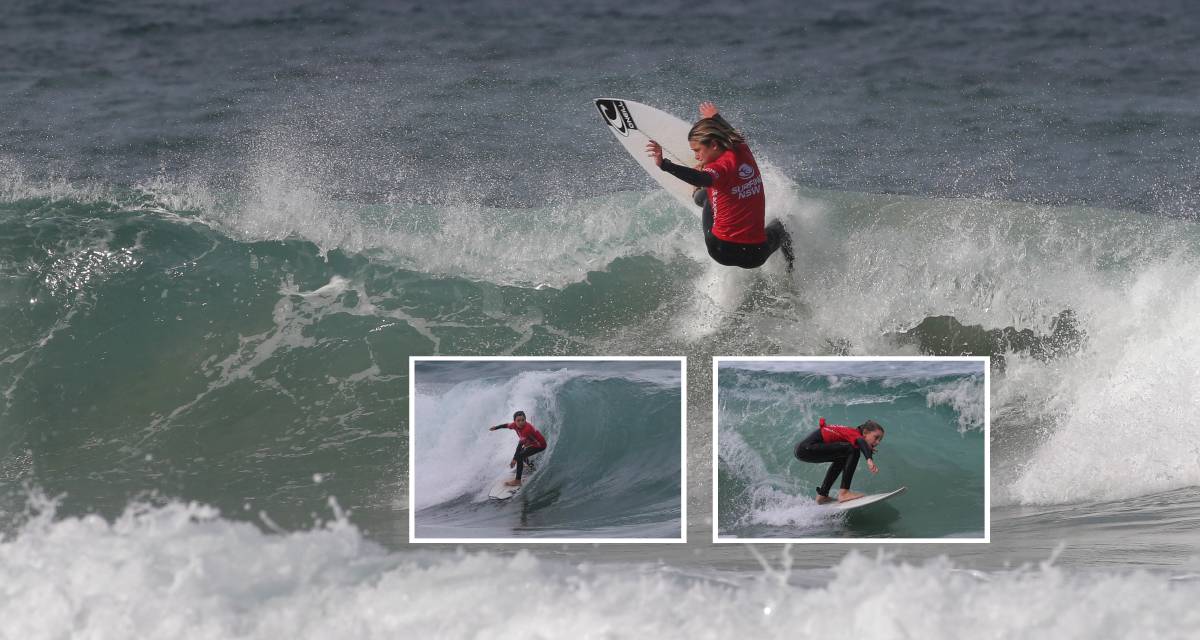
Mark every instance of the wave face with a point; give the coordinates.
(934, 444)
(612, 463)
(172, 339)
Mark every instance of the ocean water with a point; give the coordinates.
(224, 228)
(612, 465)
(934, 417)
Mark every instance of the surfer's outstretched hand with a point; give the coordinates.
(707, 109)
(871, 465)
(654, 150)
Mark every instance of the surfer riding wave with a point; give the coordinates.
(728, 180)
(841, 446)
(531, 442)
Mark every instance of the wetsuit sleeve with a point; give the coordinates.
(865, 448)
(687, 174)
(500, 426)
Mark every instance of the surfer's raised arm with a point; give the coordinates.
(733, 217)
(709, 110)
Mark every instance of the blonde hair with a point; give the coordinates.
(710, 131)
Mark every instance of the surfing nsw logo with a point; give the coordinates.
(745, 172)
(616, 115)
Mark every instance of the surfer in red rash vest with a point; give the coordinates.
(531, 442)
(735, 205)
(841, 446)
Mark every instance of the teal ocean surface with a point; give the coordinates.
(933, 413)
(225, 227)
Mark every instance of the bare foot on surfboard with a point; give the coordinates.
(847, 496)
(823, 499)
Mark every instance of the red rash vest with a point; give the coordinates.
(839, 433)
(530, 436)
(738, 202)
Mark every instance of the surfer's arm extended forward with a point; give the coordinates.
(687, 174)
(499, 426)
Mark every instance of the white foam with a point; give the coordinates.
(1132, 282)
(289, 193)
(181, 572)
(716, 295)
(740, 459)
(965, 397)
(1124, 414)
(455, 454)
(769, 499)
(16, 185)
(772, 506)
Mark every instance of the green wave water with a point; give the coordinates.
(934, 446)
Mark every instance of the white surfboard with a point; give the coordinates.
(863, 501)
(634, 124)
(502, 491)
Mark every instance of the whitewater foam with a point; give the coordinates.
(965, 397)
(1123, 421)
(181, 571)
(454, 453)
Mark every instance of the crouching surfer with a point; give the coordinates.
(531, 442)
(842, 446)
(735, 205)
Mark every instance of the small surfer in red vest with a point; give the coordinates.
(841, 446)
(735, 205)
(531, 442)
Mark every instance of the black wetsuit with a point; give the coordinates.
(731, 254)
(522, 454)
(842, 454)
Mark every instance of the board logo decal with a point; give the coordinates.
(616, 115)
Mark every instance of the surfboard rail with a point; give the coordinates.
(866, 500)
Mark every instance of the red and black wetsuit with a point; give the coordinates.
(531, 442)
(837, 444)
(735, 209)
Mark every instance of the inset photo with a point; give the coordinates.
(844, 449)
(510, 449)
